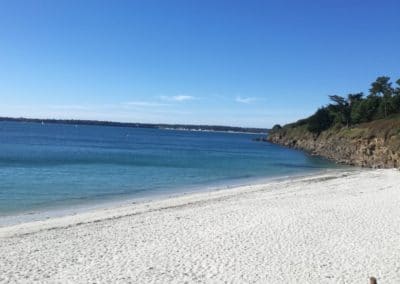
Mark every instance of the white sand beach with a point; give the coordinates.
(336, 227)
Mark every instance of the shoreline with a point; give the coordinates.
(198, 193)
(50, 212)
(340, 226)
(373, 144)
(98, 212)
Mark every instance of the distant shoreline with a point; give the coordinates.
(185, 127)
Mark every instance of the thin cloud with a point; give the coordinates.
(144, 104)
(179, 98)
(71, 107)
(246, 100)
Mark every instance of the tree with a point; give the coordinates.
(395, 101)
(276, 127)
(382, 87)
(341, 110)
(355, 104)
(382, 101)
(340, 101)
(370, 108)
(397, 91)
(354, 98)
(320, 121)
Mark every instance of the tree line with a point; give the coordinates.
(382, 101)
(139, 125)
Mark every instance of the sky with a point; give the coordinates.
(242, 63)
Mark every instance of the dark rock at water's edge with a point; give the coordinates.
(375, 144)
(260, 139)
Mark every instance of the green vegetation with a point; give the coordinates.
(276, 127)
(382, 102)
(355, 129)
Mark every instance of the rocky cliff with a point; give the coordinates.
(375, 144)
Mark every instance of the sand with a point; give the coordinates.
(336, 227)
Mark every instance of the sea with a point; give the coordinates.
(64, 167)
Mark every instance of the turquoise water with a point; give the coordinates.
(51, 166)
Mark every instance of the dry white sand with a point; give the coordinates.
(339, 227)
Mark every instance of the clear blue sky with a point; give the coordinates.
(246, 63)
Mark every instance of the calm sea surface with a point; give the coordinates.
(43, 167)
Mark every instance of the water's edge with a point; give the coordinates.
(40, 215)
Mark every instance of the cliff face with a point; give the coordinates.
(375, 144)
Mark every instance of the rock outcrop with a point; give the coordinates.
(375, 144)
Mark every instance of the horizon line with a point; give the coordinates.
(119, 123)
